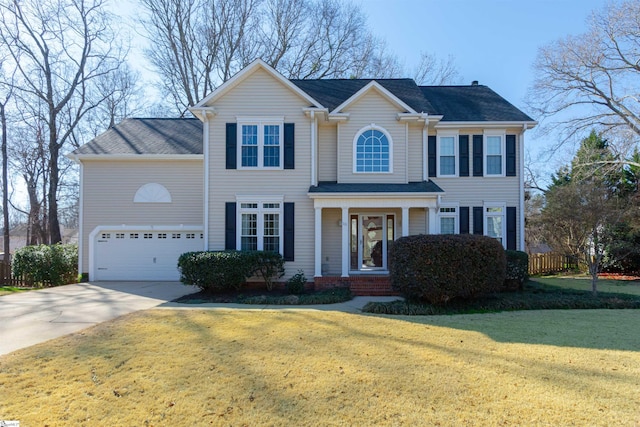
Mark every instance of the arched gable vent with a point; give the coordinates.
(152, 193)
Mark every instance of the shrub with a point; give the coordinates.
(216, 270)
(267, 265)
(296, 283)
(47, 265)
(517, 269)
(439, 268)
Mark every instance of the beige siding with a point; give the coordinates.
(416, 157)
(110, 186)
(327, 153)
(372, 108)
(261, 95)
(331, 242)
(418, 221)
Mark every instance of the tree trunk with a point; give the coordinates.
(54, 179)
(5, 188)
(593, 270)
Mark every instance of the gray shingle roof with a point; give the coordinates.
(333, 92)
(148, 136)
(412, 187)
(475, 103)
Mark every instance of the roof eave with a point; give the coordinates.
(78, 158)
(486, 124)
(368, 195)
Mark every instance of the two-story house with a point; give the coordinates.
(327, 172)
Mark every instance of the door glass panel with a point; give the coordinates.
(354, 242)
(372, 241)
(390, 232)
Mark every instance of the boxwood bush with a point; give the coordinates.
(517, 269)
(220, 270)
(440, 268)
(47, 265)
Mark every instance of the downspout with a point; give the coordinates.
(424, 152)
(205, 152)
(521, 172)
(80, 216)
(314, 181)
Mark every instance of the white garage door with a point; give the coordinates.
(142, 254)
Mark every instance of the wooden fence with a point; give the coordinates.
(7, 279)
(550, 263)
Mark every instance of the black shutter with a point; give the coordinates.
(511, 227)
(464, 220)
(511, 155)
(289, 146)
(289, 231)
(232, 145)
(477, 155)
(230, 225)
(463, 151)
(478, 220)
(431, 150)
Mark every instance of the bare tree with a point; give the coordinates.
(60, 48)
(591, 80)
(7, 91)
(435, 71)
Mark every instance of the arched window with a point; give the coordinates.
(372, 151)
(152, 193)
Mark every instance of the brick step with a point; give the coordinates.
(365, 285)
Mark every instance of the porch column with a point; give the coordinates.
(318, 243)
(405, 221)
(432, 221)
(345, 242)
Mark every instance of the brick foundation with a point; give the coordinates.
(362, 285)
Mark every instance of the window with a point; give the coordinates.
(148, 235)
(133, 235)
(260, 226)
(106, 235)
(372, 151)
(261, 144)
(119, 235)
(494, 155)
(162, 235)
(448, 220)
(447, 152)
(494, 222)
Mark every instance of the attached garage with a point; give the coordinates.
(140, 253)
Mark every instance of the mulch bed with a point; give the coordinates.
(229, 296)
(618, 276)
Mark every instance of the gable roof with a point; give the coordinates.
(147, 136)
(331, 93)
(475, 103)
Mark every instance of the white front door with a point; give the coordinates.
(370, 235)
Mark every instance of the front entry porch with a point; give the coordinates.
(353, 229)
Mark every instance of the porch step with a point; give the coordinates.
(364, 285)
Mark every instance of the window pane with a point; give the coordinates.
(447, 225)
(494, 145)
(372, 152)
(249, 156)
(271, 244)
(249, 243)
(447, 165)
(447, 146)
(272, 135)
(249, 224)
(494, 165)
(249, 135)
(271, 156)
(494, 226)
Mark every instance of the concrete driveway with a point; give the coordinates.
(28, 318)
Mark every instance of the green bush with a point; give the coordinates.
(440, 268)
(215, 270)
(296, 283)
(517, 269)
(47, 265)
(267, 265)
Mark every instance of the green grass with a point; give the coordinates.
(547, 293)
(6, 290)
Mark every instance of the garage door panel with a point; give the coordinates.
(142, 255)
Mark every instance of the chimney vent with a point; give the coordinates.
(474, 83)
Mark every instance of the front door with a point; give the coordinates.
(370, 235)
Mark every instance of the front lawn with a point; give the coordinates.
(308, 368)
(539, 294)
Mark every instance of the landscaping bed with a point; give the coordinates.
(265, 297)
(536, 295)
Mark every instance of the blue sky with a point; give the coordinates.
(492, 41)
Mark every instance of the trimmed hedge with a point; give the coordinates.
(517, 269)
(440, 268)
(47, 265)
(220, 270)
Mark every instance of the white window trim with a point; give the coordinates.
(260, 211)
(502, 133)
(455, 215)
(260, 122)
(485, 215)
(456, 154)
(372, 126)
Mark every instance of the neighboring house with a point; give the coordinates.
(326, 172)
(19, 235)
